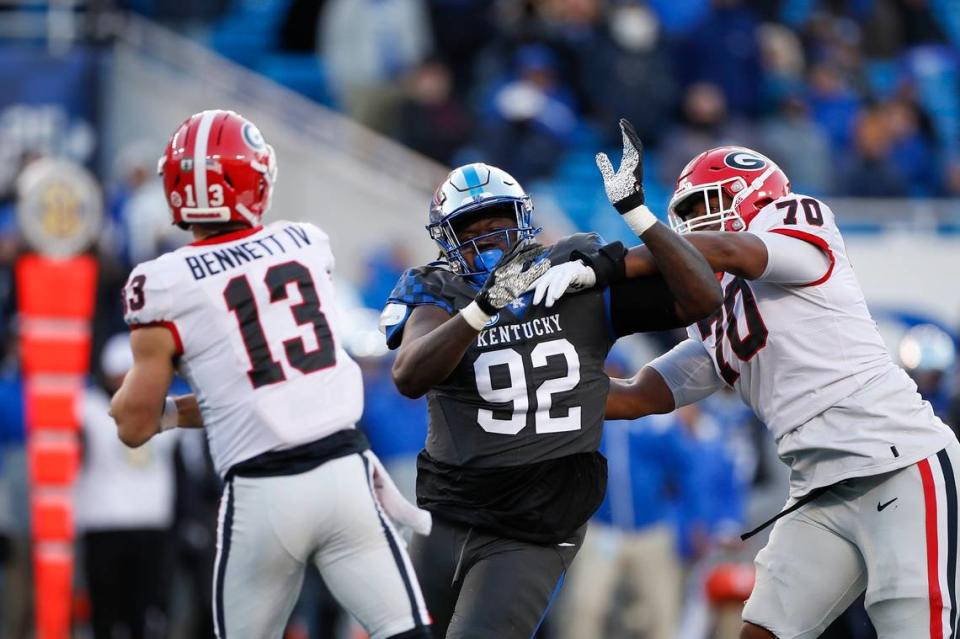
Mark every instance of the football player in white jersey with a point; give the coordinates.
(873, 491)
(245, 313)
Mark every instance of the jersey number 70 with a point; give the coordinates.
(724, 323)
(264, 369)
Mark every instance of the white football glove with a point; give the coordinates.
(401, 511)
(569, 276)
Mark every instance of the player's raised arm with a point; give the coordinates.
(734, 189)
(769, 256)
(434, 341)
(139, 404)
(692, 285)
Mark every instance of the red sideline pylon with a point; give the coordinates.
(56, 301)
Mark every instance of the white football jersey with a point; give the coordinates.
(253, 316)
(811, 363)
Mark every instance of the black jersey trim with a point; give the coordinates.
(303, 458)
(221, 567)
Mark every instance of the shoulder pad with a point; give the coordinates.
(425, 285)
(434, 284)
(795, 211)
(147, 294)
(583, 242)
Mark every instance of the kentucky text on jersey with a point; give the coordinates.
(217, 261)
(514, 332)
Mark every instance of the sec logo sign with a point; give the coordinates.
(59, 207)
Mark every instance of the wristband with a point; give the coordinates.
(639, 219)
(171, 416)
(475, 316)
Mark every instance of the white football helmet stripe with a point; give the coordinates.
(200, 159)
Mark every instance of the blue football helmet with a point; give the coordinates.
(475, 191)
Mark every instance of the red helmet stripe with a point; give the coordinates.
(200, 158)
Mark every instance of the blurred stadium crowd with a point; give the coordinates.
(853, 98)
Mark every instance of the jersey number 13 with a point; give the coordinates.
(264, 369)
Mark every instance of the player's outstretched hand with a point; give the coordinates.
(513, 275)
(624, 186)
(569, 276)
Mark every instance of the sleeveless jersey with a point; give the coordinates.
(252, 313)
(811, 363)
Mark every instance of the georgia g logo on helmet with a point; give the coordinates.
(745, 161)
(253, 137)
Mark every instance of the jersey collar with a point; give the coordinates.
(227, 237)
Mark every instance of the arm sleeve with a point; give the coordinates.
(688, 371)
(642, 304)
(795, 261)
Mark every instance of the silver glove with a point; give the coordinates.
(513, 275)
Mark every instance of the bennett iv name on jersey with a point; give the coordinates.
(217, 261)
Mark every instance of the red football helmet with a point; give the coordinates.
(217, 168)
(748, 179)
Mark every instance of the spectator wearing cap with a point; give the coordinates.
(124, 511)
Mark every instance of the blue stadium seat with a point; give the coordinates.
(304, 73)
(249, 30)
(241, 43)
(937, 75)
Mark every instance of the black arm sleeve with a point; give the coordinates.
(642, 305)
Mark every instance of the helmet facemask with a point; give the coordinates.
(445, 234)
(728, 216)
(722, 216)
